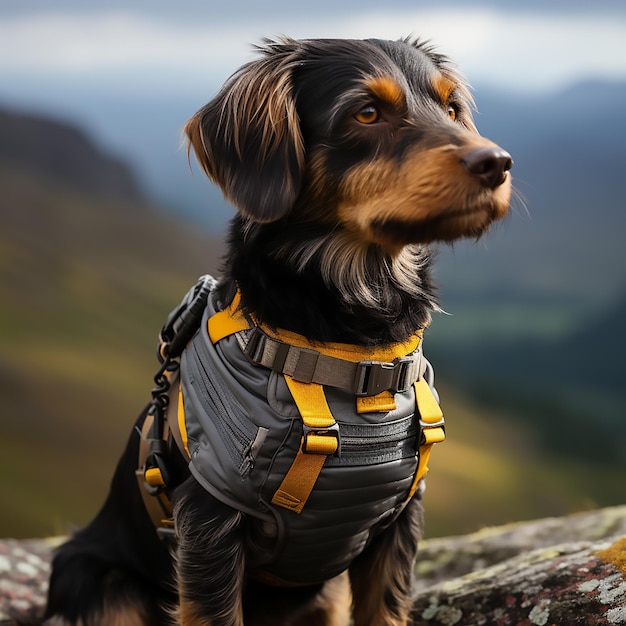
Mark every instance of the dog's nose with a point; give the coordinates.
(489, 164)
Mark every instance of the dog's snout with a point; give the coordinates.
(489, 164)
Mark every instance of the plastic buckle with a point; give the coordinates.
(373, 377)
(325, 431)
(431, 428)
(436, 424)
(156, 474)
(255, 346)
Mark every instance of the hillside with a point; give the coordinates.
(62, 154)
(86, 281)
(568, 388)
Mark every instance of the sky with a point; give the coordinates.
(131, 72)
(156, 45)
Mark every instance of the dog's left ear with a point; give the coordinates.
(248, 138)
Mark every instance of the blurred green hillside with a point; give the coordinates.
(88, 273)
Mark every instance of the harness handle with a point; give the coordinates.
(183, 322)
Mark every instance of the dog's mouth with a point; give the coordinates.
(445, 227)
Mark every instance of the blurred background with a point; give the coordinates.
(103, 229)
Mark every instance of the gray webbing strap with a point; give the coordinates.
(365, 378)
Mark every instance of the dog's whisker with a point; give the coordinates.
(519, 203)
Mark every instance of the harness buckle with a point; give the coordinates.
(255, 346)
(432, 433)
(156, 473)
(374, 377)
(321, 440)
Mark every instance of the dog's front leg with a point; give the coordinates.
(382, 576)
(209, 559)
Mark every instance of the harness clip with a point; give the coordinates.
(374, 377)
(324, 440)
(432, 433)
(256, 343)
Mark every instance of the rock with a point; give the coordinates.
(573, 583)
(554, 571)
(24, 571)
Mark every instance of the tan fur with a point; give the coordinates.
(127, 615)
(337, 599)
(461, 90)
(428, 185)
(387, 89)
(121, 615)
(124, 616)
(443, 87)
(371, 610)
(188, 615)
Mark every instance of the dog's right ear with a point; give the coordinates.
(248, 137)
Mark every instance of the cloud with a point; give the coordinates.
(521, 50)
(77, 44)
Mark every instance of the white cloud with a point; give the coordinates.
(523, 50)
(78, 43)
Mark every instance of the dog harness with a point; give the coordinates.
(322, 443)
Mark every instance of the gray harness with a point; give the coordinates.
(243, 430)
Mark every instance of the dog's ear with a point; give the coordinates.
(248, 138)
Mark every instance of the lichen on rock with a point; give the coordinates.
(551, 572)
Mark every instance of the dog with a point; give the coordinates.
(344, 159)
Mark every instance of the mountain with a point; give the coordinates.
(89, 271)
(47, 149)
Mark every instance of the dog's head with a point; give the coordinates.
(373, 137)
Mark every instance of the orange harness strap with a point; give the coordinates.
(320, 440)
(432, 428)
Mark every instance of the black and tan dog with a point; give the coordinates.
(345, 159)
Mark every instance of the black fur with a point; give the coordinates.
(117, 559)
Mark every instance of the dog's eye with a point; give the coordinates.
(453, 111)
(367, 115)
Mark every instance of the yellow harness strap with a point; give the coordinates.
(321, 434)
(228, 321)
(319, 441)
(182, 428)
(432, 423)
